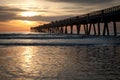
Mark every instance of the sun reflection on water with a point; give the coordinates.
(36, 61)
(27, 59)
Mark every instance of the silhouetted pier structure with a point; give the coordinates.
(89, 22)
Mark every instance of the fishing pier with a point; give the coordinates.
(88, 22)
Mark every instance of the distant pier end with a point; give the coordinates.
(89, 22)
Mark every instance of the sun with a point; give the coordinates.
(29, 14)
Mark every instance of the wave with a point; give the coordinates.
(38, 36)
(48, 36)
(36, 39)
(59, 44)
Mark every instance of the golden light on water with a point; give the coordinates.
(27, 57)
(29, 14)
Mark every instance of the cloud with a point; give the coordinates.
(61, 12)
(82, 1)
(44, 18)
(6, 16)
(8, 13)
(6, 8)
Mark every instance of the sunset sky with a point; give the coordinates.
(20, 15)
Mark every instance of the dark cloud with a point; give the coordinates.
(7, 14)
(44, 18)
(6, 8)
(82, 1)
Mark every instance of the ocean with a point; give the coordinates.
(40, 56)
